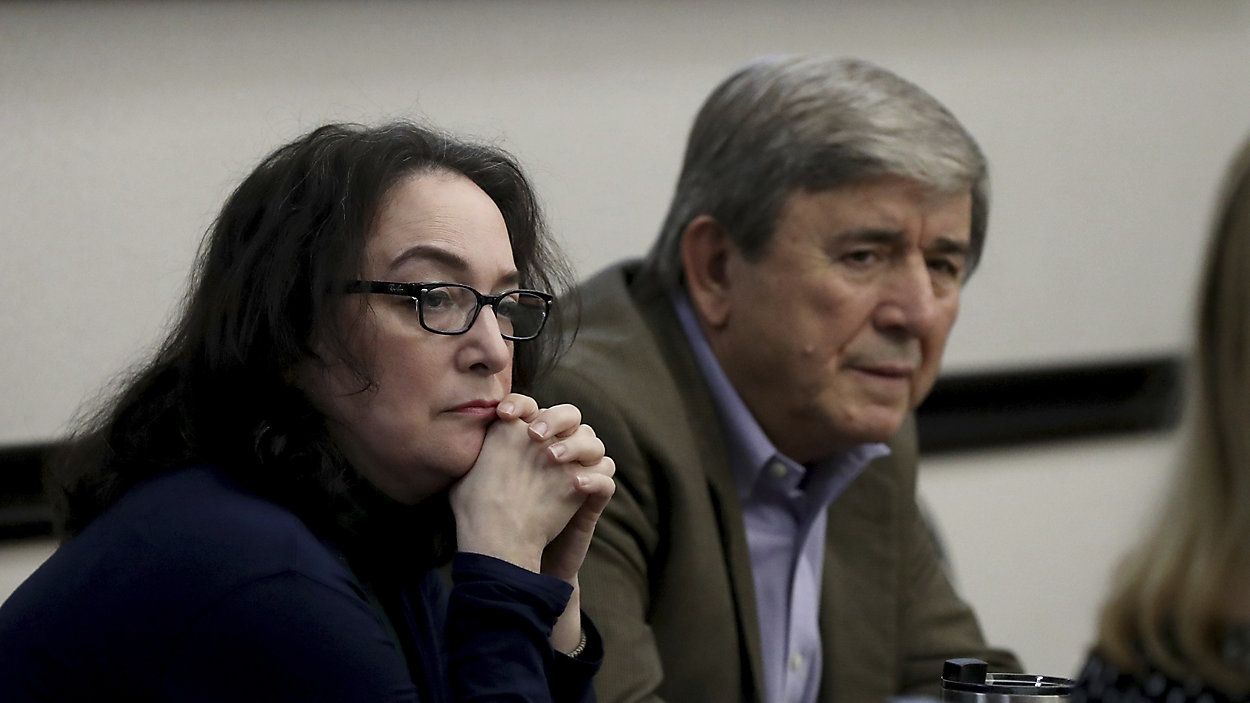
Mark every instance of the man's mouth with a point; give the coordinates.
(889, 371)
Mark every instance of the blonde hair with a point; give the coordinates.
(1170, 600)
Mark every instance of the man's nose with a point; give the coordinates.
(909, 299)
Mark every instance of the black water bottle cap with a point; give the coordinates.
(966, 670)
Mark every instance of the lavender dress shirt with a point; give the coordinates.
(784, 509)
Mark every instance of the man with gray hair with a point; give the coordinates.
(764, 543)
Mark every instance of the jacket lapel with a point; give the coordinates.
(738, 563)
(705, 433)
(859, 589)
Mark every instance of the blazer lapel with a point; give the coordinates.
(709, 445)
(738, 562)
(858, 605)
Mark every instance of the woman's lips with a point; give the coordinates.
(477, 408)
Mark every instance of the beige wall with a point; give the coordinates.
(124, 126)
(1033, 534)
(18, 558)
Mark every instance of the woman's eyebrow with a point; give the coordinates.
(455, 264)
(430, 252)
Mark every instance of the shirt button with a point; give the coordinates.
(796, 662)
(779, 469)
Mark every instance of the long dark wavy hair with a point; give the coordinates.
(218, 389)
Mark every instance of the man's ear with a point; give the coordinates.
(705, 252)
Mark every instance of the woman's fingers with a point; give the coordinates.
(580, 446)
(554, 423)
(563, 557)
(557, 421)
(597, 486)
(575, 428)
(596, 480)
(516, 406)
(513, 501)
(537, 489)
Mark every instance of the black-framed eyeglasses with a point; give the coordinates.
(452, 308)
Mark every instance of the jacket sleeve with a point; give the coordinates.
(499, 619)
(286, 637)
(936, 624)
(614, 579)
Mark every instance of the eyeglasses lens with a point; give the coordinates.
(521, 314)
(450, 309)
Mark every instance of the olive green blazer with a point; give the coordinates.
(668, 577)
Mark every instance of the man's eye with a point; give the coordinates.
(860, 257)
(946, 267)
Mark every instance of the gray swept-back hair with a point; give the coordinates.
(782, 124)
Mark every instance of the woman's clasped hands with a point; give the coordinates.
(534, 496)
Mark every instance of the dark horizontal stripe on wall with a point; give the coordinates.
(24, 510)
(976, 410)
(965, 411)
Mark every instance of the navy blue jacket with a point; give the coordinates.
(191, 588)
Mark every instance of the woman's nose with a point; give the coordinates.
(484, 344)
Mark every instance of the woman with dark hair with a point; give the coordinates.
(261, 512)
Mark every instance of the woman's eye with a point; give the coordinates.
(435, 299)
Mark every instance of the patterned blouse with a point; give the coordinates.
(1100, 681)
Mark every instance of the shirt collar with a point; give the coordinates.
(749, 449)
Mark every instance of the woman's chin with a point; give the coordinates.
(457, 461)
(428, 481)
(426, 470)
